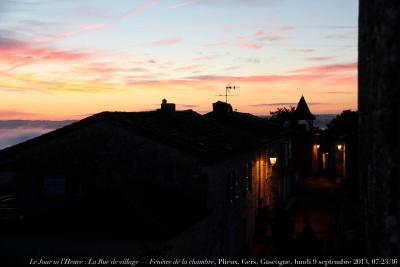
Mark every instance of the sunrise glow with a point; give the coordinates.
(69, 59)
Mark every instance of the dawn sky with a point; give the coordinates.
(67, 59)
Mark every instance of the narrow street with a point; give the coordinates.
(319, 200)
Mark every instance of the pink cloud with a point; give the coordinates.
(320, 58)
(193, 80)
(96, 27)
(242, 43)
(207, 57)
(81, 30)
(166, 42)
(105, 68)
(189, 68)
(304, 50)
(328, 68)
(18, 54)
(184, 3)
(140, 8)
(23, 54)
(260, 33)
(218, 44)
(275, 35)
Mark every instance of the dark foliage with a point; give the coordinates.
(282, 115)
(344, 123)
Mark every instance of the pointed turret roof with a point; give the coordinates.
(302, 110)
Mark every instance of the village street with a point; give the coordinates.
(319, 200)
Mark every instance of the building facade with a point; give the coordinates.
(193, 184)
(379, 111)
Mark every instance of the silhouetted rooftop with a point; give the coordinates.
(186, 130)
(246, 122)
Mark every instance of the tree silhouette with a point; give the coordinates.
(282, 115)
(344, 123)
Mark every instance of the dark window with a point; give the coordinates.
(230, 188)
(235, 185)
(54, 186)
(244, 180)
(249, 176)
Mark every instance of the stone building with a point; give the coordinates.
(379, 121)
(191, 184)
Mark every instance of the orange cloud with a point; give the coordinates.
(258, 79)
(104, 68)
(14, 113)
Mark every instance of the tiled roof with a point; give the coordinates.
(246, 122)
(186, 130)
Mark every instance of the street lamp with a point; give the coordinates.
(272, 160)
(340, 147)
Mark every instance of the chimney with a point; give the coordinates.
(221, 108)
(167, 107)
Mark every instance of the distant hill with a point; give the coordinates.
(44, 124)
(321, 121)
(13, 132)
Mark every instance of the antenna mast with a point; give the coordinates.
(228, 88)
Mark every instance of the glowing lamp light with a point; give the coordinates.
(318, 146)
(272, 160)
(339, 147)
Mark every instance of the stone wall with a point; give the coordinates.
(379, 107)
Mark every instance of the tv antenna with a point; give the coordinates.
(228, 89)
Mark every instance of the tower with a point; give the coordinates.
(303, 114)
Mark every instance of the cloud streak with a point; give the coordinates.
(140, 8)
(184, 4)
(244, 44)
(166, 42)
(84, 29)
(189, 68)
(81, 30)
(320, 58)
(282, 104)
(275, 35)
(16, 54)
(328, 68)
